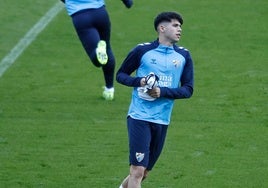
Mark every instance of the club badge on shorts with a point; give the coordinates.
(139, 156)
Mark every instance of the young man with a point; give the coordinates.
(92, 24)
(164, 72)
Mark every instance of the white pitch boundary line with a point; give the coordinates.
(30, 36)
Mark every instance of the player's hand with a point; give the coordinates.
(155, 92)
(128, 3)
(143, 82)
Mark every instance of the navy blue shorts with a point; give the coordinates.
(146, 141)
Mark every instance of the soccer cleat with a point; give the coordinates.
(101, 52)
(108, 94)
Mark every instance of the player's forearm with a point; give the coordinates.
(123, 75)
(125, 79)
(183, 92)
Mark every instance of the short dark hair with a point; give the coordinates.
(167, 16)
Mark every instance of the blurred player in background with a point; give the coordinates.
(92, 24)
(164, 72)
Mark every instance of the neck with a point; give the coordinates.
(165, 42)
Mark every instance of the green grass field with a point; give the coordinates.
(57, 131)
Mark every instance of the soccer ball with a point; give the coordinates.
(151, 80)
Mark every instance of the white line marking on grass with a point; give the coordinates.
(30, 36)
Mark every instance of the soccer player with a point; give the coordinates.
(164, 72)
(92, 24)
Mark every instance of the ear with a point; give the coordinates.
(162, 28)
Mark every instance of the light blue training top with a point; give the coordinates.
(174, 67)
(73, 6)
(168, 64)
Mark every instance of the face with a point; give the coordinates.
(170, 32)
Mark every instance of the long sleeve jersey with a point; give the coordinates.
(174, 67)
(73, 6)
